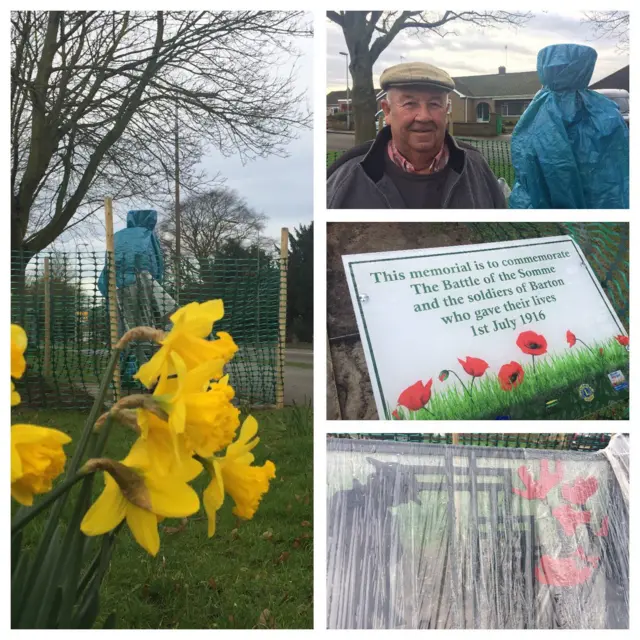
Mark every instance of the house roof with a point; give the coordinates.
(334, 96)
(617, 80)
(496, 85)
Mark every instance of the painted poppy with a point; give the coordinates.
(444, 374)
(510, 376)
(601, 351)
(474, 366)
(603, 531)
(571, 338)
(396, 415)
(580, 491)
(538, 489)
(569, 518)
(532, 343)
(561, 572)
(623, 340)
(416, 396)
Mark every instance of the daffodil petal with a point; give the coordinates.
(171, 499)
(21, 494)
(144, 527)
(107, 512)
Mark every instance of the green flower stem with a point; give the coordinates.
(53, 495)
(462, 383)
(586, 345)
(98, 403)
(533, 358)
(473, 379)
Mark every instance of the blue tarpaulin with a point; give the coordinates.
(570, 148)
(136, 249)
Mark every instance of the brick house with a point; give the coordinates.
(475, 98)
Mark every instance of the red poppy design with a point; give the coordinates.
(416, 396)
(601, 350)
(623, 340)
(571, 338)
(532, 343)
(561, 572)
(395, 414)
(510, 376)
(569, 519)
(443, 375)
(581, 490)
(474, 366)
(603, 531)
(538, 490)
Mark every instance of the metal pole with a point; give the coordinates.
(177, 207)
(282, 318)
(113, 310)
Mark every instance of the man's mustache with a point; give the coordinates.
(423, 128)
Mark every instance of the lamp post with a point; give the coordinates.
(346, 59)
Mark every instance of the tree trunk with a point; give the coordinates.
(364, 99)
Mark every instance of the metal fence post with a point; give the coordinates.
(282, 318)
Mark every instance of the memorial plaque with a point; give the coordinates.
(507, 330)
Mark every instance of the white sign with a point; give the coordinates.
(522, 311)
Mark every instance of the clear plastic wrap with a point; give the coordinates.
(447, 537)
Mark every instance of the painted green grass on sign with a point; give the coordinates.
(552, 374)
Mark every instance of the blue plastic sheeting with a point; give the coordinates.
(136, 249)
(570, 148)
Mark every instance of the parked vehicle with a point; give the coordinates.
(620, 97)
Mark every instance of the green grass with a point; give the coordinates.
(230, 580)
(553, 375)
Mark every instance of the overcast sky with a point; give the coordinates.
(478, 51)
(281, 188)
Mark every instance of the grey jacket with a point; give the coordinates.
(357, 179)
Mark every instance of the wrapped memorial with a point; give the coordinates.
(447, 537)
(570, 148)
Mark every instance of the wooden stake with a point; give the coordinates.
(113, 309)
(47, 318)
(282, 318)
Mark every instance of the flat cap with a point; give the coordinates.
(416, 73)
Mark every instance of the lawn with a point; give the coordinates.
(553, 376)
(256, 573)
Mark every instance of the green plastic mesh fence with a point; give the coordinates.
(571, 441)
(497, 153)
(56, 298)
(605, 244)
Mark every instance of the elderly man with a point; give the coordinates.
(414, 163)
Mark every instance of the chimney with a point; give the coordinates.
(502, 70)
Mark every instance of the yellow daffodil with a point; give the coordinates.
(165, 449)
(234, 474)
(37, 459)
(200, 409)
(191, 325)
(18, 363)
(133, 491)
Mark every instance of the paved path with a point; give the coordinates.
(340, 141)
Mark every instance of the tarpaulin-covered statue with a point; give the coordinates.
(570, 148)
(139, 274)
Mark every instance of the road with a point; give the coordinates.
(340, 141)
(298, 376)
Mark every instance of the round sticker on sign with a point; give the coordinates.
(586, 392)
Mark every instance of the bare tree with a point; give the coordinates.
(610, 24)
(359, 28)
(94, 97)
(208, 222)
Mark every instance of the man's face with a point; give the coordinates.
(417, 117)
